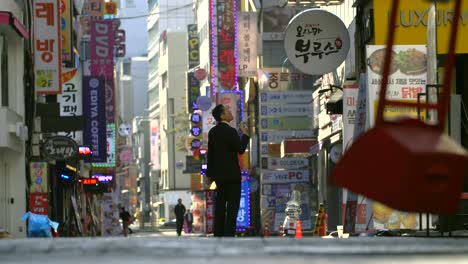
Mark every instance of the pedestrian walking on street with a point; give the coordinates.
(179, 212)
(224, 146)
(125, 216)
(188, 222)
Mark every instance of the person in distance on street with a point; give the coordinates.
(224, 145)
(125, 216)
(179, 211)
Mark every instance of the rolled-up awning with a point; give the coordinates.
(9, 22)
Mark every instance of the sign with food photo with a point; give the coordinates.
(408, 78)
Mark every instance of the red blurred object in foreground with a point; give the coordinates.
(407, 167)
(407, 164)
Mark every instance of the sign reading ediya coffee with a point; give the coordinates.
(60, 148)
(316, 41)
(94, 113)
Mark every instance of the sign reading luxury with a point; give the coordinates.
(413, 20)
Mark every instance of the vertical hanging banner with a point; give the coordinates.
(102, 60)
(210, 208)
(47, 46)
(71, 99)
(193, 46)
(94, 133)
(66, 8)
(193, 91)
(243, 216)
(226, 44)
(247, 44)
(110, 148)
(154, 138)
(102, 48)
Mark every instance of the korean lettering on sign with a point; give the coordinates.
(226, 60)
(243, 216)
(47, 46)
(320, 47)
(275, 80)
(247, 43)
(316, 41)
(38, 203)
(70, 99)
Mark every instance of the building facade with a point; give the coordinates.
(14, 180)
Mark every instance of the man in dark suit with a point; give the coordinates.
(224, 145)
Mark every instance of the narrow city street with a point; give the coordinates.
(164, 248)
(233, 131)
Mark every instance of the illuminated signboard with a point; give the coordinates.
(195, 131)
(91, 181)
(196, 144)
(84, 150)
(103, 178)
(243, 216)
(195, 118)
(227, 40)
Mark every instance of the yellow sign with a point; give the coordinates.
(398, 112)
(412, 21)
(110, 8)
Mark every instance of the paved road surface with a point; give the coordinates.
(164, 248)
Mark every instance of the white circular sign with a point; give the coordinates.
(335, 152)
(316, 41)
(125, 130)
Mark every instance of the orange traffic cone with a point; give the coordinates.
(323, 226)
(319, 221)
(281, 230)
(266, 230)
(298, 229)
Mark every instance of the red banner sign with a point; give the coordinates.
(38, 203)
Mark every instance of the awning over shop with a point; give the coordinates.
(9, 22)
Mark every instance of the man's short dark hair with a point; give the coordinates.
(217, 112)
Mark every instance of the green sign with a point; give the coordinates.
(286, 123)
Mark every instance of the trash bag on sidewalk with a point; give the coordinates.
(39, 225)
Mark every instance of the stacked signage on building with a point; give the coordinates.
(283, 114)
(38, 199)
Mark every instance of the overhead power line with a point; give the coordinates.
(156, 13)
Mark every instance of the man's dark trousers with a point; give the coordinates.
(227, 207)
(180, 225)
